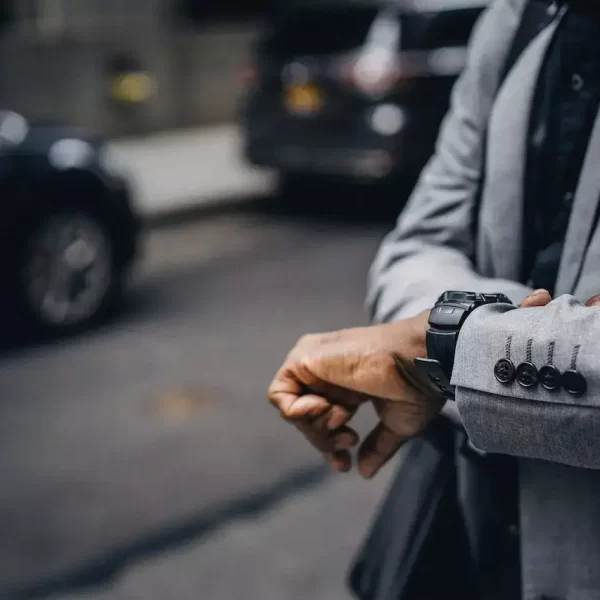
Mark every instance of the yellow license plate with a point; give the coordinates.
(304, 99)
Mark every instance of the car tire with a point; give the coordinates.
(69, 278)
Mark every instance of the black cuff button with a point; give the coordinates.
(527, 375)
(504, 371)
(574, 382)
(550, 378)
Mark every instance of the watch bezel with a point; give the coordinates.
(466, 302)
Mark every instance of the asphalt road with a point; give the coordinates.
(142, 460)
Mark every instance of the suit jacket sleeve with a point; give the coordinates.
(432, 247)
(531, 422)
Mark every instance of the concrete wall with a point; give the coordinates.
(205, 69)
(65, 80)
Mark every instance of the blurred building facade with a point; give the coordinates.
(126, 66)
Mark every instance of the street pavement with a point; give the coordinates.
(143, 461)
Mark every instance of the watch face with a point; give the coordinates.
(447, 316)
(460, 297)
(496, 299)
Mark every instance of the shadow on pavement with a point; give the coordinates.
(103, 570)
(330, 206)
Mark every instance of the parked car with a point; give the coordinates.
(68, 233)
(354, 89)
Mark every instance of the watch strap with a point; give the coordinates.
(436, 376)
(445, 323)
(441, 346)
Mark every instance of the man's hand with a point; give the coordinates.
(543, 297)
(536, 299)
(327, 377)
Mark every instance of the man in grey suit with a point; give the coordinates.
(327, 377)
(508, 203)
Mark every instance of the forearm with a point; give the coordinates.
(431, 250)
(415, 281)
(531, 422)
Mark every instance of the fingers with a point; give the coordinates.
(339, 461)
(321, 416)
(537, 298)
(335, 421)
(319, 411)
(317, 418)
(379, 446)
(330, 435)
(330, 432)
(594, 301)
(314, 415)
(337, 417)
(322, 423)
(293, 406)
(289, 395)
(342, 439)
(543, 297)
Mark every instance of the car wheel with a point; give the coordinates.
(68, 276)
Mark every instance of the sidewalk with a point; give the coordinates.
(189, 169)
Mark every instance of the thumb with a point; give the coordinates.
(537, 298)
(379, 446)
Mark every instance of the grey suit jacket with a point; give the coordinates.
(433, 248)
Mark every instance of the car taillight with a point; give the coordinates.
(248, 74)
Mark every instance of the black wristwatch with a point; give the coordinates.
(445, 322)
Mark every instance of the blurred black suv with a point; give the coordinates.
(354, 89)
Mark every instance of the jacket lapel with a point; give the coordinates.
(583, 216)
(508, 133)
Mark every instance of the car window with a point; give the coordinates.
(319, 30)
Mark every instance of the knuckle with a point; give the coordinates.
(303, 368)
(273, 392)
(286, 412)
(273, 399)
(305, 340)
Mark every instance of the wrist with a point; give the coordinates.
(407, 344)
(420, 326)
(445, 322)
(408, 336)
